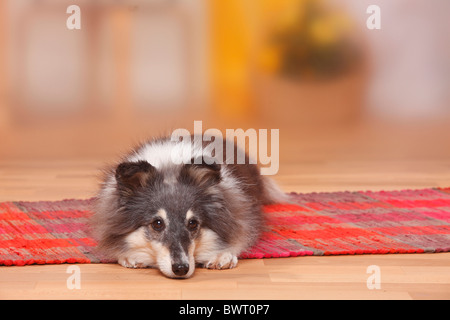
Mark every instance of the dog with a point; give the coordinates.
(153, 212)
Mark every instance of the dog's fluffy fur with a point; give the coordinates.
(151, 212)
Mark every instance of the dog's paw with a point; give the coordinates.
(224, 260)
(132, 263)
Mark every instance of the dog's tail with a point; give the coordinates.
(272, 193)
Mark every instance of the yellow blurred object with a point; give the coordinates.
(230, 50)
(323, 33)
(269, 59)
(283, 14)
(328, 30)
(295, 39)
(306, 39)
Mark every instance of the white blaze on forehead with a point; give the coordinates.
(161, 153)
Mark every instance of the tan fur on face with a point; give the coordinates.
(206, 245)
(163, 215)
(213, 256)
(189, 214)
(141, 253)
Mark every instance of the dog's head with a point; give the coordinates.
(165, 209)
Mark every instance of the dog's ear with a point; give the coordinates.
(132, 176)
(204, 172)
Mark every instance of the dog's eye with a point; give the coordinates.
(192, 224)
(158, 225)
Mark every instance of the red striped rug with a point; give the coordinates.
(407, 221)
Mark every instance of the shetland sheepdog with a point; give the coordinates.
(153, 212)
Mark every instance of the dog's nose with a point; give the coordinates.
(180, 269)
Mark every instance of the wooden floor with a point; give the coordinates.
(354, 160)
(415, 276)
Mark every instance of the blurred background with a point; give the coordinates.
(337, 90)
